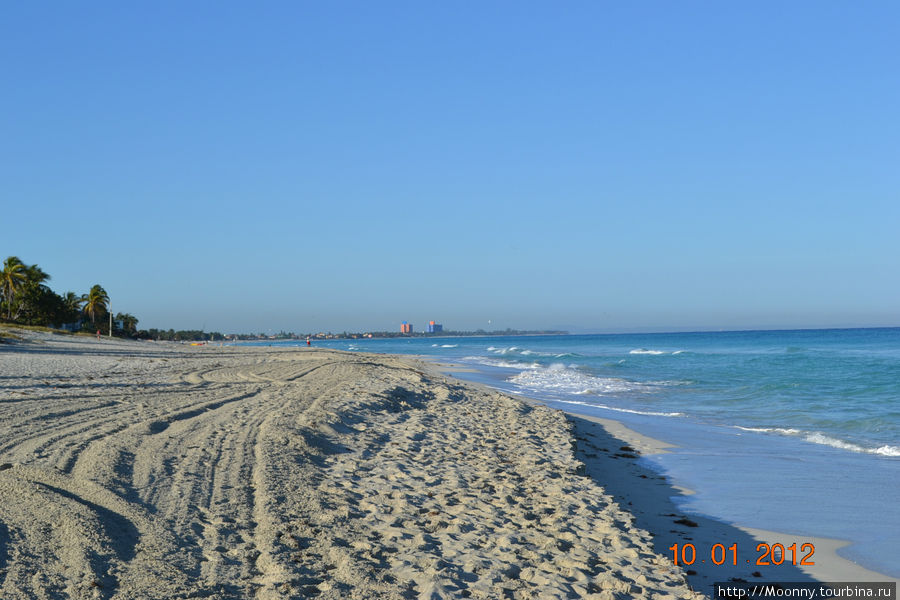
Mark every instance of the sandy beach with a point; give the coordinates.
(148, 470)
(610, 453)
(156, 470)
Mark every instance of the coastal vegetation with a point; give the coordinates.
(27, 300)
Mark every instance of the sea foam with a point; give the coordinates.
(499, 362)
(825, 440)
(515, 350)
(624, 410)
(560, 378)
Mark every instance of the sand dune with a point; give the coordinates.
(160, 471)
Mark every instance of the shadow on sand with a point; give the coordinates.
(649, 496)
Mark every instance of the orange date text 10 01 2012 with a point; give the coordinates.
(769, 554)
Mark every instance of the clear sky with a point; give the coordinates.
(596, 166)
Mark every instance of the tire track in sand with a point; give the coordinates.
(279, 474)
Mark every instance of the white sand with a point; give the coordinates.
(651, 499)
(152, 470)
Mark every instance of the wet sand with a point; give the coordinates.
(611, 453)
(652, 499)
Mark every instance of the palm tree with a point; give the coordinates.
(12, 277)
(95, 302)
(31, 292)
(35, 274)
(72, 303)
(129, 322)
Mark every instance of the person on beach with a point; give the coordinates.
(98, 334)
(307, 341)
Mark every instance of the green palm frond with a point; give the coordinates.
(35, 274)
(12, 277)
(96, 302)
(73, 301)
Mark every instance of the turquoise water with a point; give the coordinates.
(794, 431)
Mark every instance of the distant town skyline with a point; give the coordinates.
(593, 167)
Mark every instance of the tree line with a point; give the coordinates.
(26, 299)
(190, 335)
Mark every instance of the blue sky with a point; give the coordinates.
(594, 166)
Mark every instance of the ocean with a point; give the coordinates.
(791, 431)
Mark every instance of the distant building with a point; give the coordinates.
(406, 327)
(434, 327)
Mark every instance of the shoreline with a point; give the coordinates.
(656, 511)
(178, 471)
(651, 503)
(604, 466)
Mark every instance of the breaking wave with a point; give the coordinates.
(624, 410)
(499, 362)
(654, 352)
(516, 351)
(560, 378)
(820, 438)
